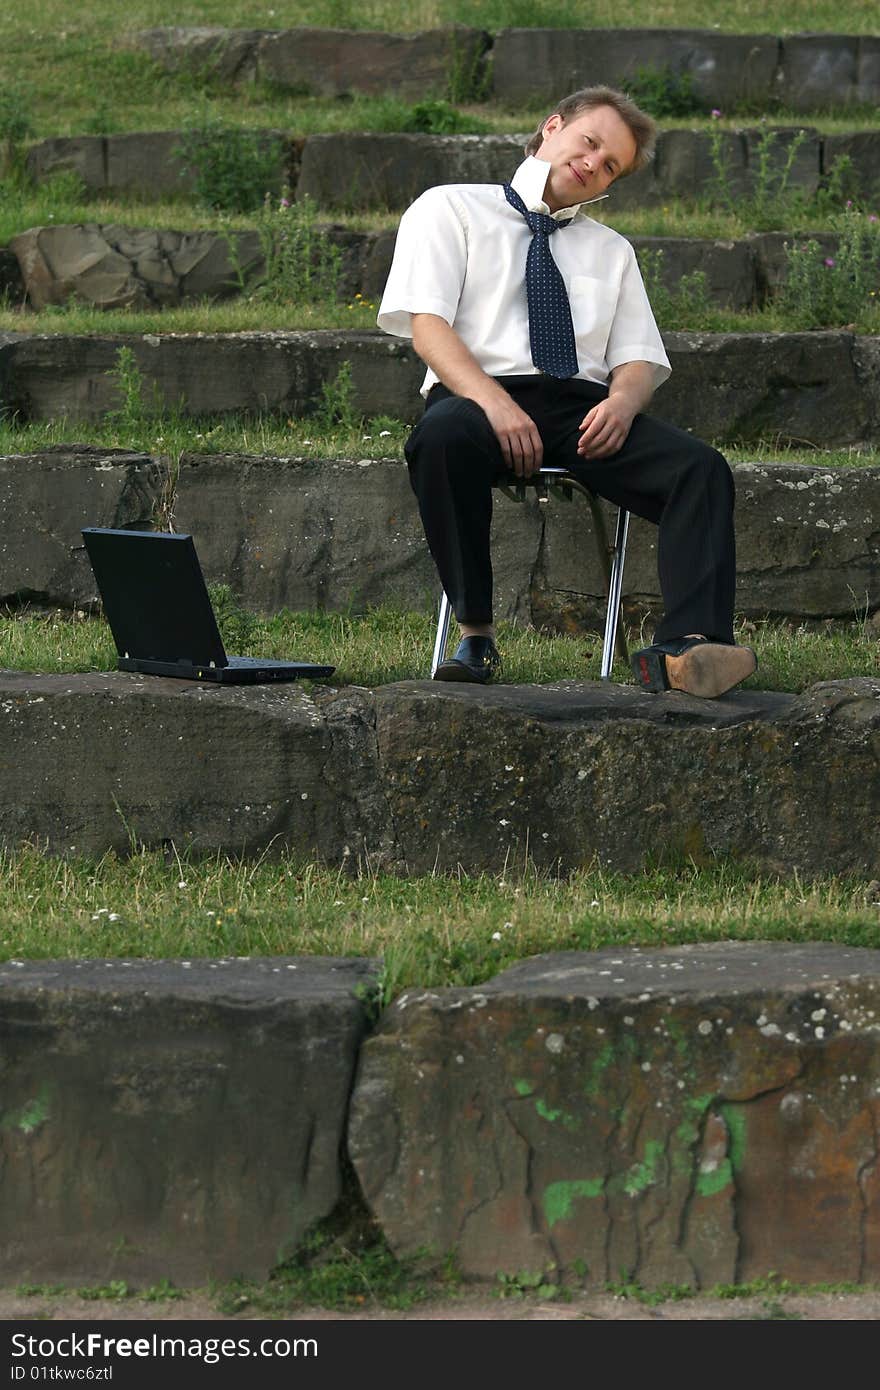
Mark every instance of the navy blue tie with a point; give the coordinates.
(551, 332)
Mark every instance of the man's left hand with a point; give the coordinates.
(604, 429)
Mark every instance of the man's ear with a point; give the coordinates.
(551, 125)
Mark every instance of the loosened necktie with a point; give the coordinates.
(551, 332)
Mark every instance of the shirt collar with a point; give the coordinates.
(529, 182)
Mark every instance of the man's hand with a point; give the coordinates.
(517, 434)
(440, 347)
(604, 429)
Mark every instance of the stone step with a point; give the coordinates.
(344, 535)
(814, 388)
(554, 773)
(801, 72)
(346, 171)
(694, 1115)
(109, 266)
(194, 1109)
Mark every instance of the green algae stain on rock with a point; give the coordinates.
(30, 1115)
(560, 1197)
(735, 1120)
(643, 1175)
(715, 1179)
(546, 1113)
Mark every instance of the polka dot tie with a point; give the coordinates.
(551, 332)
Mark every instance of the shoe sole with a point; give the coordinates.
(707, 670)
(457, 671)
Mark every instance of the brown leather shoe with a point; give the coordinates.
(694, 665)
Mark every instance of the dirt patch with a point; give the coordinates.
(468, 1306)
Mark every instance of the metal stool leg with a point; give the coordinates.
(442, 633)
(615, 587)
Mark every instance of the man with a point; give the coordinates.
(540, 353)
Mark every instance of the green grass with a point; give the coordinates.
(385, 645)
(75, 74)
(428, 931)
(381, 437)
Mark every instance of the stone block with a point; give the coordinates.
(338, 62)
(83, 155)
(227, 55)
(42, 377)
(724, 69)
(690, 1115)
(109, 760)
(47, 498)
(818, 72)
(112, 267)
(172, 1120)
(307, 533)
(793, 388)
(861, 149)
(557, 772)
(12, 288)
(791, 157)
(729, 266)
(389, 171)
(686, 164)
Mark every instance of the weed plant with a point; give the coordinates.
(822, 290)
(233, 168)
(301, 265)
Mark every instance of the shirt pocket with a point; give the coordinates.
(593, 304)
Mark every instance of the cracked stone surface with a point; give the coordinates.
(173, 1120)
(419, 775)
(698, 1114)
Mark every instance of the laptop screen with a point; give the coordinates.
(154, 596)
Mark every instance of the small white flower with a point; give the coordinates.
(496, 936)
(182, 883)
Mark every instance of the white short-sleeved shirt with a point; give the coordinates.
(461, 254)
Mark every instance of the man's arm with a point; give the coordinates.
(606, 426)
(440, 348)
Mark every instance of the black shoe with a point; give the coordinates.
(694, 665)
(476, 659)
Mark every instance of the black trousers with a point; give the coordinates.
(662, 474)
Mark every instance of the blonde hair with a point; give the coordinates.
(640, 124)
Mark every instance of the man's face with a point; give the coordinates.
(585, 155)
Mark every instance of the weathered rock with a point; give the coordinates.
(801, 387)
(375, 170)
(342, 535)
(821, 72)
(228, 55)
(699, 1115)
(113, 267)
(184, 1118)
(329, 62)
(307, 533)
(555, 772)
(861, 149)
(558, 772)
(724, 70)
(791, 387)
(147, 162)
(47, 498)
(44, 376)
(11, 284)
(389, 171)
(101, 761)
(338, 62)
(729, 266)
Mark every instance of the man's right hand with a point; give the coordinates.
(440, 347)
(517, 434)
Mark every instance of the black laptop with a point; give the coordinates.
(157, 604)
